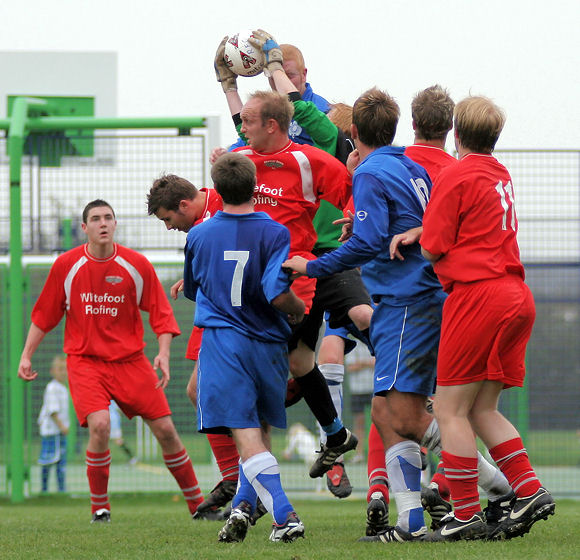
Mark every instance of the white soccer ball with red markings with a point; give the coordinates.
(242, 58)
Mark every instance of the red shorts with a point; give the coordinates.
(194, 344)
(93, 383)
(485, 329)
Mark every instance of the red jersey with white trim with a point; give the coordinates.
(213, 203)
(431, 158)
(102, 299)
(471, 221)
(290, 185)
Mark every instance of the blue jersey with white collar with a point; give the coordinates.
(390, 193)
(233, 270)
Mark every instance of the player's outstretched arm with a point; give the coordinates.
(227, 79)
(33, 340)
(297, 264)
(263, 41)
(161, 361)
(290, 303)
(407, 238)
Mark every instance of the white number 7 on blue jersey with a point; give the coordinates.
(241, 258)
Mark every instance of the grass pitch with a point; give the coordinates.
(158, 526)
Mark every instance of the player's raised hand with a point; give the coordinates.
(161, 362)
(407, 238)
(224, 75)
(216, 153)
(346, 224)
(262, 40)
(352, 161)
(25, 370)
(176, 288)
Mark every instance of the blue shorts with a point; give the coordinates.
(343, 332)
(241, 382)
(406, 340)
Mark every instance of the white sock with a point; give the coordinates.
(403, 462)
(491, 479)
(334, 375)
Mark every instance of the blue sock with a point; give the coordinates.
(263, 472)
(333, 428)
(246, 492)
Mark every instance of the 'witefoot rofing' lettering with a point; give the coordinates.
(97, 303)
(105, 298)
(101, 310)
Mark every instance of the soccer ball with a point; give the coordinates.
(242, 58)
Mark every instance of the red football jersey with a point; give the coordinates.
(431, 158)
(102, 299)
(291, 183)
(213, 203)
(471, 221)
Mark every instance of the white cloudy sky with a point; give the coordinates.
(522, 53)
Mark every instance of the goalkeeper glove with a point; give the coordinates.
(264, 42)
(224, 75)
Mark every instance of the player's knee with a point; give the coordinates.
(192, 394)
(361, 315)
(100, 430)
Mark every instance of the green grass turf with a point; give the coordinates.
(157, 526)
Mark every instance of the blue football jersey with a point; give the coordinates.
(233, 270)
(390, 194)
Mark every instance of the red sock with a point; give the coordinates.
(226, 454)
(376, 468)
(513, 461)
(179, 465)
(461, 474)
(441, 481)
(98, 474)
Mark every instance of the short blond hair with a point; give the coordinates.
(290, 52)
(275, 106)
(478, 123)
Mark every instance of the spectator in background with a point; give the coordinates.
(54, 423)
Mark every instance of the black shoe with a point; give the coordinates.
(236, 526)
(101, 516)
(377, 515)
(434, 505)
(208, 515)
(395, 534)
(497, 511)
(329, 455)
(524, 513)
(224, 491)
(453, 529)
(288, 532)
(337, 481)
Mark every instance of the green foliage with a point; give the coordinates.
(155, 526)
